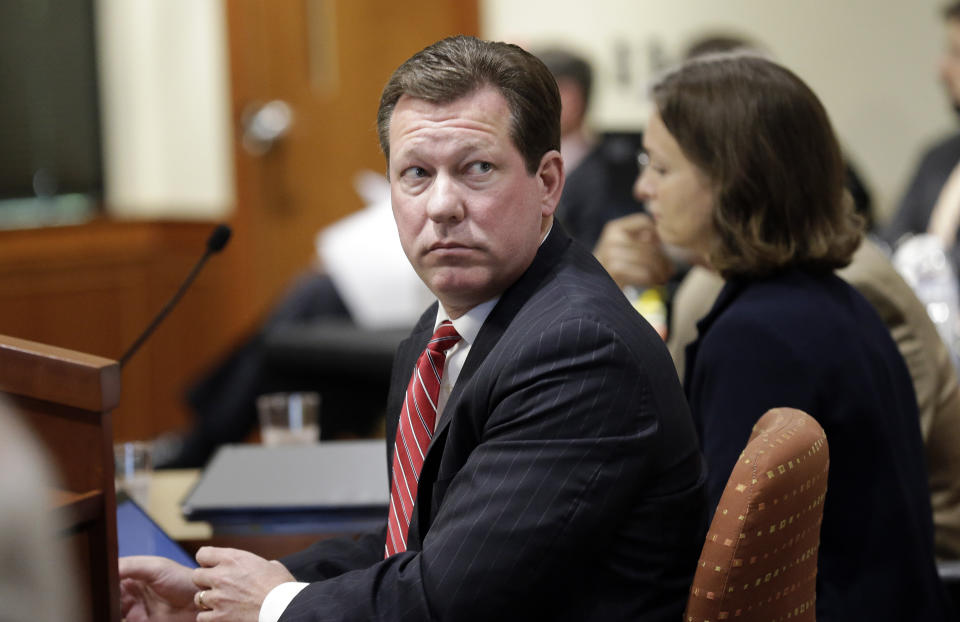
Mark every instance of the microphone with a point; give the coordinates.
(215, 243)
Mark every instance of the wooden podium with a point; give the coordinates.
(67, 397)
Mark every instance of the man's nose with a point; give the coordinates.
(445, 203)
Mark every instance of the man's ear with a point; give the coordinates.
(551, 177)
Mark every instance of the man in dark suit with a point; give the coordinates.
(599, 169)
(544, 463)
(936, 181)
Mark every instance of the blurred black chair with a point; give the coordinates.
(349, 367)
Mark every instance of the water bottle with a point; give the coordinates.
(925, 265)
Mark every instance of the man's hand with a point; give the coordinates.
(630, 250)
(234, 583)
(156, 589)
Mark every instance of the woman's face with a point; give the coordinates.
(677, 193)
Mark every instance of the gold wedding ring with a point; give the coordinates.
(200, 602)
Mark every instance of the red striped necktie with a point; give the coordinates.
(418, 418)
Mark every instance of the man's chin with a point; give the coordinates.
(456, 289)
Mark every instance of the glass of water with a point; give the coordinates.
(289, 418)
(133, 467)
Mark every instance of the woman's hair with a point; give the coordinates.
(764, 142)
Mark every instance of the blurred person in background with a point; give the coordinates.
(359, 265)
(599, 168)
(36, 578)
(932, 200)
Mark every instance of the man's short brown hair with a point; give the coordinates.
(458, 66)
(765, 142)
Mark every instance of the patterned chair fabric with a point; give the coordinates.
(759, 561)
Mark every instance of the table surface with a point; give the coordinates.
(168, 488)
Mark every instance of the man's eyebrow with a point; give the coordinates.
(463, 148)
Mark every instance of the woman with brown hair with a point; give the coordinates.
(743, 170)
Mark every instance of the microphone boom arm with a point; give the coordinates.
(218, 239)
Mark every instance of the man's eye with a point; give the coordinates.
(481, 167)
(415, 171)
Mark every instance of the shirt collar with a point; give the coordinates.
(468, 325)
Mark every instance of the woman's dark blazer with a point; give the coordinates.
(811, 341)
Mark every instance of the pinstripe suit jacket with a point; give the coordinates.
(563, 482)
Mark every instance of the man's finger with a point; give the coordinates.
(131, 592)
(143, 567)
(203, 578)
(213, 555)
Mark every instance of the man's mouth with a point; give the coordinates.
(444, 246)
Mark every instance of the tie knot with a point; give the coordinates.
(444, 338)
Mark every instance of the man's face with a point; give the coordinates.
(469, 215)
(950, 62)
(573, 106)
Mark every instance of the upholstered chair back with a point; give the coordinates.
(759, 561)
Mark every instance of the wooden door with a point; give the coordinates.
(328, 60)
